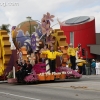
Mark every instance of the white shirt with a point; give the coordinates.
(20, 55)
(97, 65)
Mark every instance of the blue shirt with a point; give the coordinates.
(93, 64)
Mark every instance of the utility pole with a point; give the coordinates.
(86, 55)
(30, 27)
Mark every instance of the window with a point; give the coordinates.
(72, 38)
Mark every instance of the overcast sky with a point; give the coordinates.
(62, 9)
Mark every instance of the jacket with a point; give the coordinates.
(51, 55)
(72, 51)
(81, 63)
(93, 64)
(13, 34)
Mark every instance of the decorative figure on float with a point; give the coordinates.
(13, 35)
(45, 24)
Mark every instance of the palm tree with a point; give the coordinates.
(5, 27)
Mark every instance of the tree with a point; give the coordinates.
(5, 27)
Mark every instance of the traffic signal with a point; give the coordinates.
(83, 52)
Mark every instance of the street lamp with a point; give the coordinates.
(30, 28)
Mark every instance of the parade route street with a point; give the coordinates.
(87, 88)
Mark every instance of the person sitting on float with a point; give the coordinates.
(21, 73)
(28, 68)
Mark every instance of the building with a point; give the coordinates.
(80, 30)
(95, 48)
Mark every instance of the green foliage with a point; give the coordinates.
(10, 75)
(5, 27)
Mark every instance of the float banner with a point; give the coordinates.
(33, 42)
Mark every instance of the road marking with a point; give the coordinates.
(19, 96)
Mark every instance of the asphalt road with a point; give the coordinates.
(87, 88)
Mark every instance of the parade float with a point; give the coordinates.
(30, 36)
(5, 51)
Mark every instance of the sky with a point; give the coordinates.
(15, 11)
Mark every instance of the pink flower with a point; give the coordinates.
(46, 29)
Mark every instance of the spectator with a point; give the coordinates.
(93, 66)
(97, 67)
(59, 58)
(88, 68)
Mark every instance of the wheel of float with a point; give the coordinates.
(60, 38)
(5, 51)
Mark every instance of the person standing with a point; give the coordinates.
(37, 57)
(80, 67)
(28, 68)
(59, 58)
(72, 53)
(97, 67)
(93, 66)
(19, 53)
(51, 55)
(20, 74)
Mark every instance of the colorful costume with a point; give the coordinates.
(80, 66)
(45, 60)
(72, 53)
(51, 55)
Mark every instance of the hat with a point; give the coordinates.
(81, 57)
(93, 60)
(70, 44)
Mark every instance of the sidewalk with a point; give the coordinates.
(3, 81)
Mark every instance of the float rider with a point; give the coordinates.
(81, 65)
(51, 55)
(72, 53)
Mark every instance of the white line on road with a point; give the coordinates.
(19, 96)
